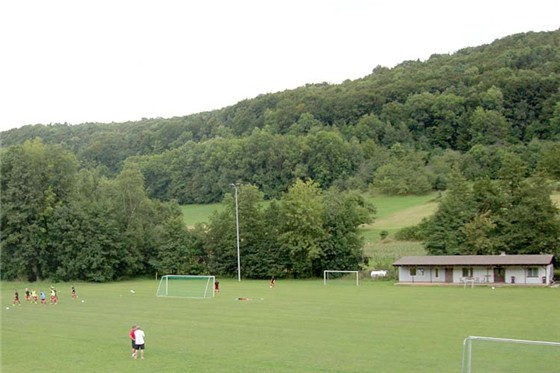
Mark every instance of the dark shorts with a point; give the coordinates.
(133, 344)
(139, 347)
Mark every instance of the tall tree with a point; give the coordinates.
(301, 233)
(36, 181)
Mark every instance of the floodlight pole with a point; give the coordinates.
(237, 228)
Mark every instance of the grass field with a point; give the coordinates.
(193, 214)
(299, 326)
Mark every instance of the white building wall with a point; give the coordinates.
(423, 274)
(480, 275)
(550, 273)
(522, 275)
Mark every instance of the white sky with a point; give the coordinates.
(81, 61)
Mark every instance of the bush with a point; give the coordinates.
(383, 234)
(413, 233)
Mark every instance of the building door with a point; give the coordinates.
(449, 275)
(499, 274)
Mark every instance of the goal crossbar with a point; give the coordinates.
(467, 347)
(326, 275)
(186, 286)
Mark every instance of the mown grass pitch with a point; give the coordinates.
(299, 326)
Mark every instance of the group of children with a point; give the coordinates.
(32, 296)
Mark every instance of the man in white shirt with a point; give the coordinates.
(139, 342)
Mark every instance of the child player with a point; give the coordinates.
(16, 298)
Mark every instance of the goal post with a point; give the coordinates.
(330, 274)
(186, 286)
(490, 354)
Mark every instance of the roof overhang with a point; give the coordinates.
(475, 260)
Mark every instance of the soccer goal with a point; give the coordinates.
(331, 275)
(496, 355)
(186, 286)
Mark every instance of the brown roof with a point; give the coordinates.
(474, 260)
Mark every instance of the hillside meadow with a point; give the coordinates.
(392, 214)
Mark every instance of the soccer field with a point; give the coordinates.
(299, 326)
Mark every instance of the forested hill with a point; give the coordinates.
(416, 119)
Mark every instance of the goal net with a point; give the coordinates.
(488, 354)
(186, 286)
(342, 277)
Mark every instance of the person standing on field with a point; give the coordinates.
(139, 342)
(132, 339)
(272, 282)
(27, 295)
(16, 298)
(54, 297)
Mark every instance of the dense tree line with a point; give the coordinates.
(476, 101)
(62, 223)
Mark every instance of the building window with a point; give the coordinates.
(533, 272)
(419, 271)
(437, 272)
(413, 271)
(467, 272)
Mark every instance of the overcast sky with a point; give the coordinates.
(78, 61)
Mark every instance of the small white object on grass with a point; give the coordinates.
(132, 291)
(493, 288)
(83, 301)
(7, 308)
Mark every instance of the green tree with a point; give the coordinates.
(36, 181)
(488, 127)
(301, 233)
(342, 246)
(513, 215)
(443, 230)
(405, 173)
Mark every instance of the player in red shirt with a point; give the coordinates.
(132, 330)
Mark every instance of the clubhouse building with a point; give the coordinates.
(476, 269)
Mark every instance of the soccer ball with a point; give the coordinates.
(493, 288)
(132, 291)
(7, 308)
(83, 301)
